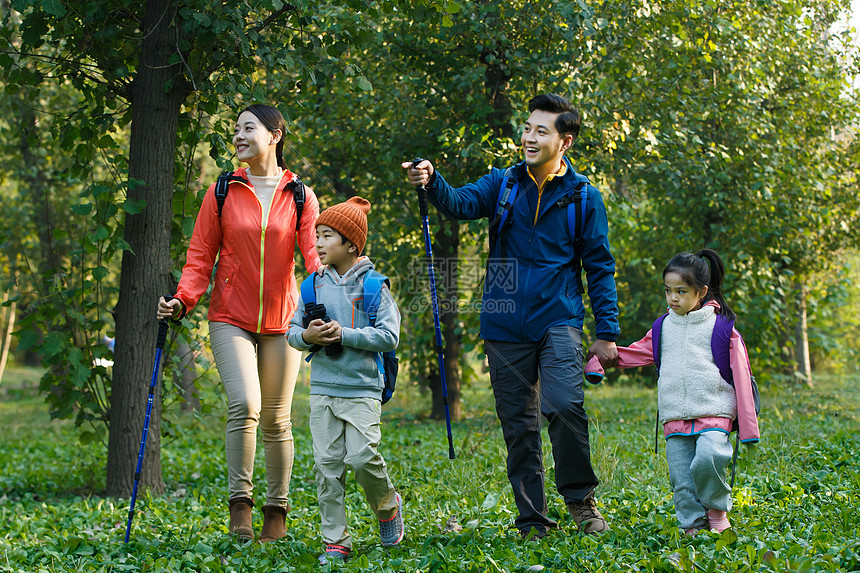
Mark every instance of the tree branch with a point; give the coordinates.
(274, 16)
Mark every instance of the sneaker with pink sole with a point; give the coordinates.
(718, 520)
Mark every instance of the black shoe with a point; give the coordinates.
(532, 535)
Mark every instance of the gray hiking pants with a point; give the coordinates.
(697, 472)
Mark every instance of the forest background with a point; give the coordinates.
(729, 125)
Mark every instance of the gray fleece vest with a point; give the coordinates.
(690, 385)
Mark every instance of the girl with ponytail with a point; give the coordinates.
(704, 389)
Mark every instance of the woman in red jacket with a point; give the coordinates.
(253, 300)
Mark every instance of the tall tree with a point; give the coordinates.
(137, 63)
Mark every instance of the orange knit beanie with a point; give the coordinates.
(349, 219)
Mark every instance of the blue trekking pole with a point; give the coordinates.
(159, 346)
(422, 208)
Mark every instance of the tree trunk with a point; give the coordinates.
(184, 375)
(37, 184)
(145, 270)
(8, 323)
(446, 246)
(801, 339)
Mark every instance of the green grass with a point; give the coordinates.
(796, 495)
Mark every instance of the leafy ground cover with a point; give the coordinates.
(796, 495)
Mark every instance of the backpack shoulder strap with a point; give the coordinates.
(308, 291)
(298, 189)
(222, 187)
(656, 331)
(576, 215)
(507, 195)
(373, 282)
(720, 342)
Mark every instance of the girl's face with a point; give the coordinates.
(680, 296)
(252, 140)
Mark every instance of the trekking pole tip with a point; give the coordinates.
(451, 454)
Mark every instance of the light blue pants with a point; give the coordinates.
(697, 472)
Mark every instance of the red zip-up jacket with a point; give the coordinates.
(255, 285)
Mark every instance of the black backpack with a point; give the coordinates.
(222, 187)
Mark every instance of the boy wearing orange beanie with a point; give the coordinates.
(346, 384)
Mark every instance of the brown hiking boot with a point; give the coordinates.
(274, 523)
(586, 516)
(240, 518)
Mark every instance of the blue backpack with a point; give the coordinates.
(575, 205)
(386, 362)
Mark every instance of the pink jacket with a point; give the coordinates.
(640, 354)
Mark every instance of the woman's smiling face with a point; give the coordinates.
(251, 138)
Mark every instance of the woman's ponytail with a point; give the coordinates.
(715, 283)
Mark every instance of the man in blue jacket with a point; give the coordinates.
(532, 311)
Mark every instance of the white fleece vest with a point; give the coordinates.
(690, 385)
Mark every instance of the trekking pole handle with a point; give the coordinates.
(162, 327)
(421, 190)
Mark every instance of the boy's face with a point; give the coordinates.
(331, 248)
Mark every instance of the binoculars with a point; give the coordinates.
(313, 312)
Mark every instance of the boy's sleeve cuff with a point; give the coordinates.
(347, 336)
(297, 341)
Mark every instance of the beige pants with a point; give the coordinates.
(346, 432)
(259, 376)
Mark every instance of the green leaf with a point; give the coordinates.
(54, 8)
(133, 206)
(491, 501)
(188, 226)
(99, 273)
(364, 84)
(101, 233)
(82, 209)
(203, 548)
(88, 437)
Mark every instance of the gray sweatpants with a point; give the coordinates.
(697, 472)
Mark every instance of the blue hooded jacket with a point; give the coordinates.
(532, 278)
